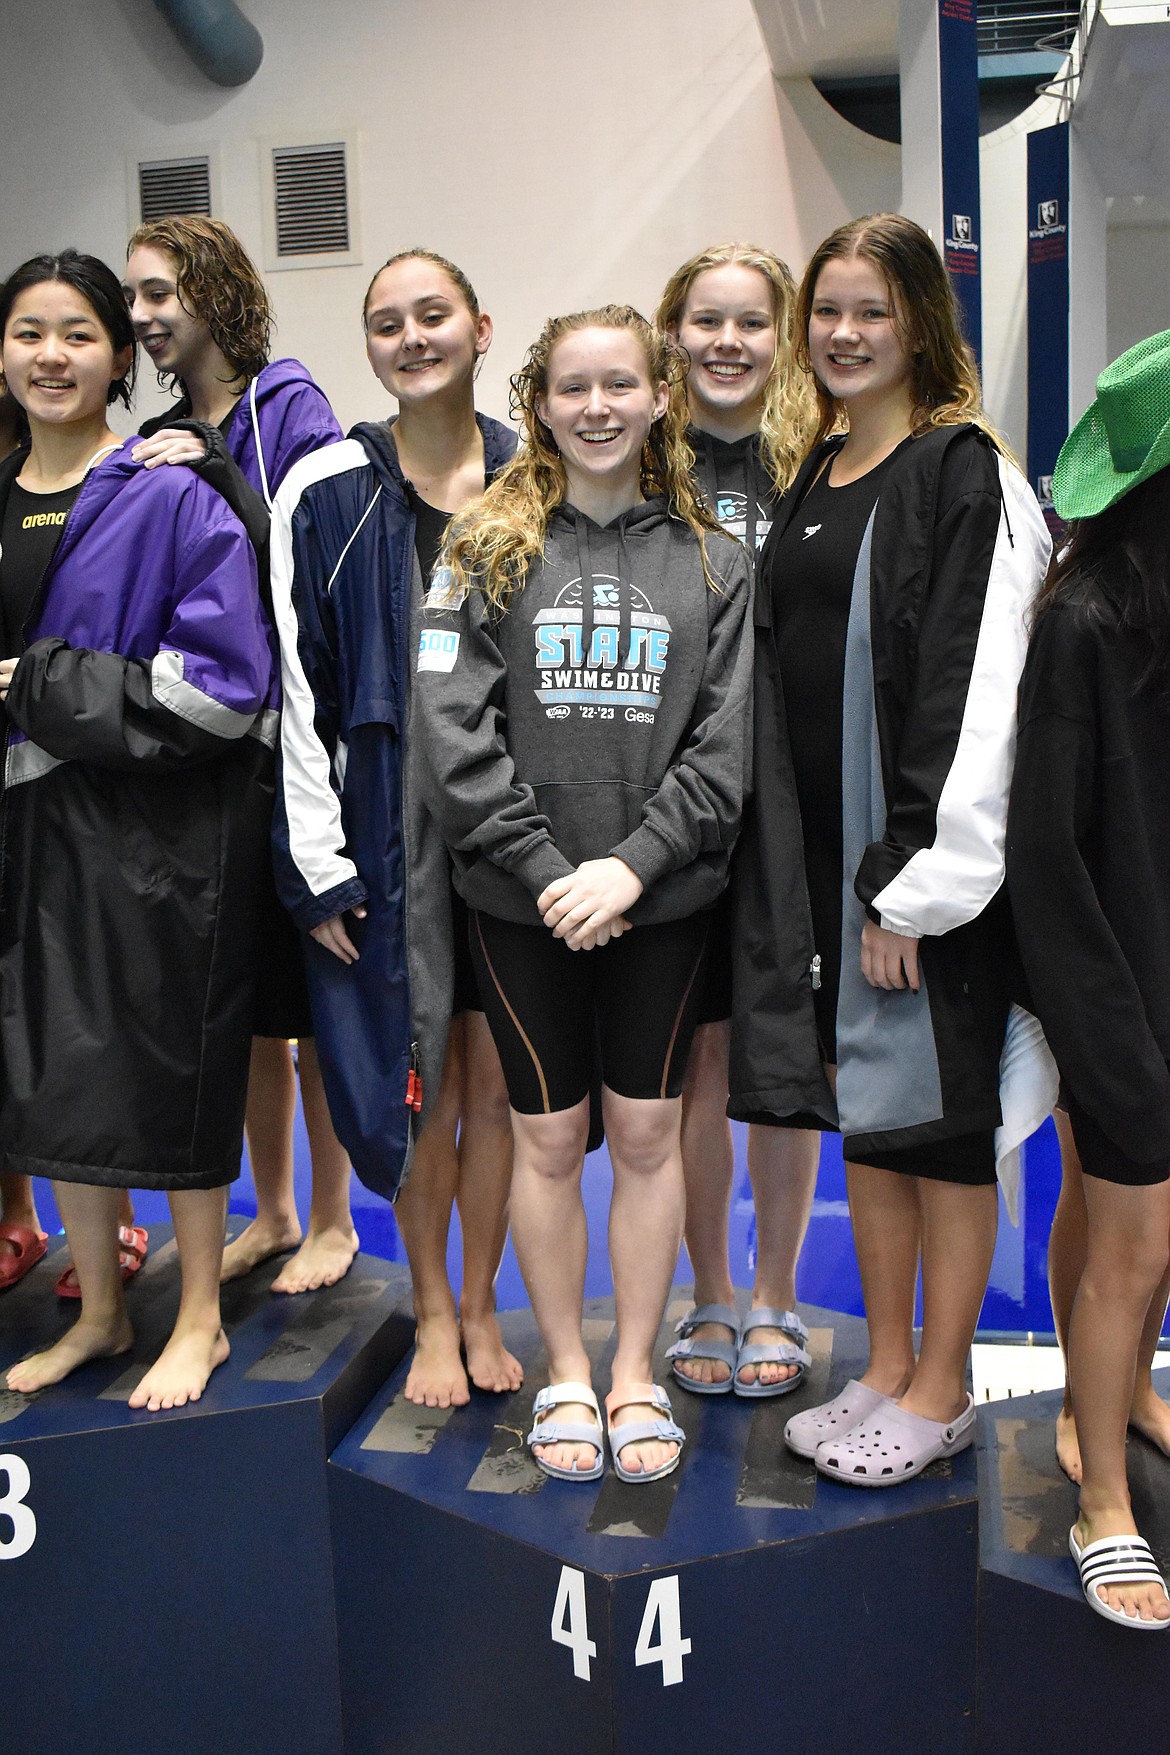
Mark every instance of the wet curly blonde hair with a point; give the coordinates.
(494, 540)
(218, 283)
(789, 415)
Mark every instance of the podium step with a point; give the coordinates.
(1044, 1658)
(482, 1605)
(169, 1586)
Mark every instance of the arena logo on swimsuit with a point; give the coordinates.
(731, 511)
(605, 680)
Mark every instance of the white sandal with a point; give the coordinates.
(1116, 1560)
(547, 1431)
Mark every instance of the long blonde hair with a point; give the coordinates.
(944, 385)
(789, 415)
(496, 537)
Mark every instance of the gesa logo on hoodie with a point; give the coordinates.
(607, 676)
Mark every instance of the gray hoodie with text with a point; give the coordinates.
(614, 719)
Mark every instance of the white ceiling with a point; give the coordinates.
(824, 38)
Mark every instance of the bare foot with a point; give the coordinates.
(490, 1366)
(323, 1258)
(770, 1371)
(707, 1370)
(436, 1378)
(566, 1454)
(85, 1340)
(1150, 1416)
(257, 1242)
(1068, 1450)
(179, 1375)
(1141, 1602)
(643, 1455)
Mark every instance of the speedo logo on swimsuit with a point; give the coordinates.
(810, 530)
(731, 511)
(38, 520)
(605, 677)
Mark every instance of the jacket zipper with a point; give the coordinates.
(414, 1082)
(814, 970)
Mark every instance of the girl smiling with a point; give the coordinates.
(582, 686)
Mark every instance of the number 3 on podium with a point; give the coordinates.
(13, 1507)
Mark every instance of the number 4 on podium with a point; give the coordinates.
(570, 1627)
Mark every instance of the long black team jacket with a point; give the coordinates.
(1088, 863)
(949, 566)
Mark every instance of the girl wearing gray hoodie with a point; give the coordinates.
(582, 686)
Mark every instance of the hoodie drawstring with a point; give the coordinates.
(585, 568)
(624, 592)
(751, 495)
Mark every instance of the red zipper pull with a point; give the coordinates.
(414, 1082)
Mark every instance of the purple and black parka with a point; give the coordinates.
(137, 797)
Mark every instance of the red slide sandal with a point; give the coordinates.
(28, 1247)
(132, 1242)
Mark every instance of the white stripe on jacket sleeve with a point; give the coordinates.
(312, 807)
(951, 881)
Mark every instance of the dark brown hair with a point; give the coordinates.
(1115, 568)
(218, 283)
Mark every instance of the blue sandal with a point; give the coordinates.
(726, 1352)
(645, 1394)
(793, 1351)
(554, 1431)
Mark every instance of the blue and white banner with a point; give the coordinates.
(1048, 291)
(958, 56)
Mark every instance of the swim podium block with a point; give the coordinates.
(168, 1583)
(741, 1603)
(1053, 1676)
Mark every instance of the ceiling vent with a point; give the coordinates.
(312, 212)
(174, 185)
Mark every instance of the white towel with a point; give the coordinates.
(1028, 1087)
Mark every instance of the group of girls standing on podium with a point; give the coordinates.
(506, 791)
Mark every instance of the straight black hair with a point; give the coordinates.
(1116, 567)
(99, 286)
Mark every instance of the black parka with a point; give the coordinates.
(951, 561)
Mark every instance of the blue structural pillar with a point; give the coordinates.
(1048, 304)
(939, 61)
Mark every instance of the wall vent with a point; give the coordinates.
(311, 192)
(174, 185)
